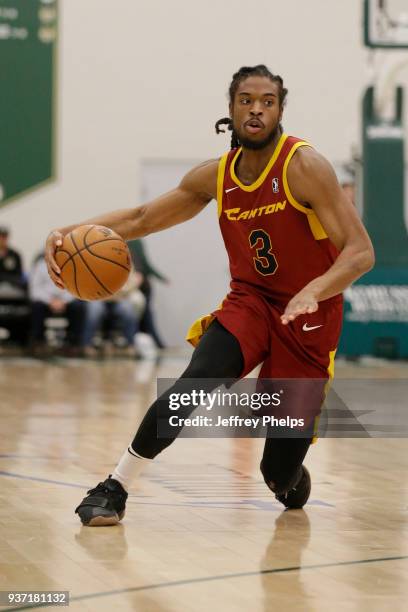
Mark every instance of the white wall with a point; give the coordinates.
(191, 256)
(148, 78)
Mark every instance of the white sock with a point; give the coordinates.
(129, 467)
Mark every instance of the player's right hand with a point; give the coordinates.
(54, 240)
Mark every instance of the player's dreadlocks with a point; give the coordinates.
(242, 74)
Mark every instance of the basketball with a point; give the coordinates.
(94, 261)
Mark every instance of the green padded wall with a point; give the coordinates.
(376, 306)
(28, 38)
(384, 188)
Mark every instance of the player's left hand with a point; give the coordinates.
(303, 302)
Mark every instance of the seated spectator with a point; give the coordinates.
(123, 309)
(146, 268)
(47, 301)
(11, 269)
(14, 307)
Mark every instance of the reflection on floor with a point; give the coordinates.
(201, 530)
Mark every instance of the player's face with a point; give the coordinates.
(256, 112)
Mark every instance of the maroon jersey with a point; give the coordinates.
(276, 245)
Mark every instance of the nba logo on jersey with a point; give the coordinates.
(275, 185)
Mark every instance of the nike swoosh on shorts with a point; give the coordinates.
(306, 328)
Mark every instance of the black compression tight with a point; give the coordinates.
(219, 356)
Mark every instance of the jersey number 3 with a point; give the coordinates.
(265, 261)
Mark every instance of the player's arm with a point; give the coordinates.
(194, 192)
(312, 181)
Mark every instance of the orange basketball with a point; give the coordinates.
(94, 262)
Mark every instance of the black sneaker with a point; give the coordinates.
(104, 505)
(298, 496)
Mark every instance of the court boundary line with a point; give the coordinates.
(136, 498)
(204, 579)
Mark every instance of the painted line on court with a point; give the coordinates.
(238, 504)
(63, 483)
(33, 457)
(176, 583)
(46, 480)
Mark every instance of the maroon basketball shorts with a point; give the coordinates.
(305, 348)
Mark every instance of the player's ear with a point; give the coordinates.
(230, 109)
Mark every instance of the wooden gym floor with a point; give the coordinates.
(201, 532)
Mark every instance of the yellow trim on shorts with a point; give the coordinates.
(330, 370)
(198, 328)
(265, 171)
(220, 182)
(314, 223)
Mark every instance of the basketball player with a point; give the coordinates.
(294, 241)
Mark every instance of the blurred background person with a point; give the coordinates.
(11, 267)
(14, 312)
(346, 176)
(144, 266)
(48, 301)
(122, 311)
